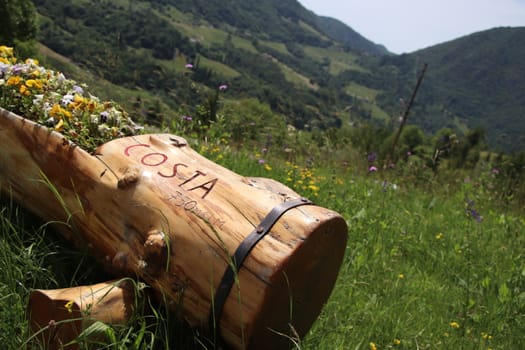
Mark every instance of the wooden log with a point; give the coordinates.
(150, 206)
(57, 317)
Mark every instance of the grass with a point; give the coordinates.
(339, 60)
(420, 271)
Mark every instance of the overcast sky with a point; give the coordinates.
(409, 25)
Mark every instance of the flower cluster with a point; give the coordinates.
(303, 178)
(49, 98)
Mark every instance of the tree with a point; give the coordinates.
(18, 21)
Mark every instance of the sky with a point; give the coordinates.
(405, 26)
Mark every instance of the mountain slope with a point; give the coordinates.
(340, 32)
(314, 71)
(476, 80)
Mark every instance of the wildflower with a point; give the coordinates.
(223, 87)
(36, 84)
(267, 167)
(187, 118)
(6, 51)
(401, 276)
(59, 125)
(372, 168)
(104, 116)
(261, 161)
(188, 66)
(69, 306)
(313, 188)
(486, 336)
(397, 341)
(471, 211)
(372, 346)
(372, 157)
(439, 236)
(78, 89)
(454, 324)
(51, 99)
(24, 90)
(13, 80)
(67, 99)
(31, 61)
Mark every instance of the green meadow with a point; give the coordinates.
(436, 235)
(429, 264)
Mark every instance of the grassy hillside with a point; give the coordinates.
(476, 80)
(309, 69)
(282, 55)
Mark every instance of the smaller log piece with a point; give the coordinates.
(58, 316)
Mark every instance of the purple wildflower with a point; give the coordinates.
(372, 168)
(188, 66)
(223, 87)
(187, 118)
(372, 157)
(261, 161)
(78, 89)
(471, 211)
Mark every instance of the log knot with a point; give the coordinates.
(130, 178)
(155, 252)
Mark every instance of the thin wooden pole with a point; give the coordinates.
(405, 114)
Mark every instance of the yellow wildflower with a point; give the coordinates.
(6, 51)
(372, 346)
(60, 125)
(313, 188)
(486, 336)
(14, 80)
(24, 90)
(58, 112)
(397, 341)
(401, 276)
(32, 83)
(267, 167)
(69, 306)
(454, 324)
(32, 61)
(439, 236)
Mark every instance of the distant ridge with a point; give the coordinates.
(344, 34)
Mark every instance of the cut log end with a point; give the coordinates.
(297, 293)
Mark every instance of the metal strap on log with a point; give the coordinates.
(242, 251)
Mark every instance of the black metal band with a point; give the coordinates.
(242, 251)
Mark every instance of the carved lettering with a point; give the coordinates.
(153, 163)
(197, 174)
(205, 187)
(175, 166)
(126, 151)
(179, 199)
(183, 201)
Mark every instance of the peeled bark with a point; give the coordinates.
(150, 206)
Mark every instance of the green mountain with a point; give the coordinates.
(345, 35)
(476, 80)
(315, 71)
